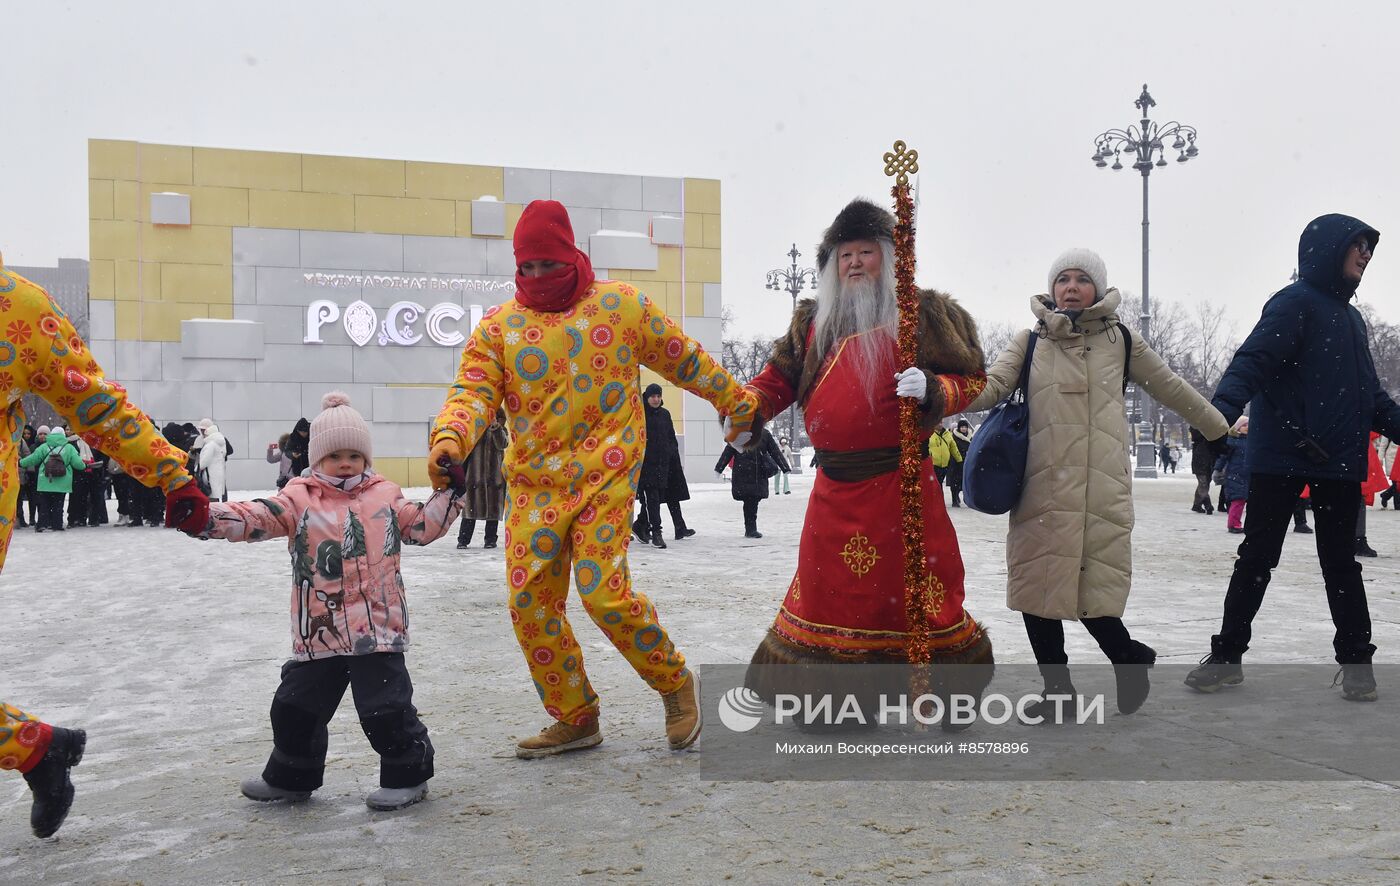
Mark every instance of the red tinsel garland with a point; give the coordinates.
(917, 602)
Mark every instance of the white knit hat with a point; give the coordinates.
(1085, 260)
(339, 426)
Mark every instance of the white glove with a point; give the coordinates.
(740, 441)
(911, 383)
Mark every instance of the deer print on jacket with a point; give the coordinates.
(347, 591)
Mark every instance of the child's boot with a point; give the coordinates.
(256, 789)
(389, 799)
(49, 781)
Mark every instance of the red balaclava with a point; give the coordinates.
(545, 234)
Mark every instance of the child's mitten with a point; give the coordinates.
(187, 509)
(456, 475)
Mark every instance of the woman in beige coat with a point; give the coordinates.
(1069, 549)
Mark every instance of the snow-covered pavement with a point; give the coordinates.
(167, 651)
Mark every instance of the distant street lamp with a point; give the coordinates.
(1142, 143)
(792, 280)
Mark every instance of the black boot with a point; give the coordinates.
(1363, 549)
(1302, 528)
(658, 538)
(639, 531)
(50, 784)
(1131, 676)
(1057, 683)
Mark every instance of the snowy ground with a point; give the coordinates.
(167, 651)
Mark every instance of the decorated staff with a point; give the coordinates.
(917, 598)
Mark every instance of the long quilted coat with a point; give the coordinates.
(1069, 550)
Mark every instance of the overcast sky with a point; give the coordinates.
(790, 105)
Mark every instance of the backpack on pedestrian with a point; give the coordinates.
(54, 465)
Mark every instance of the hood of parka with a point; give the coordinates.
(1323, 247)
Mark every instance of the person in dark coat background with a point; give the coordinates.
(751, 473)
(486, 485)
(662, 479)
(962, 438)
(1306, 373)
(1202, 462)
(297, 445)
(29, 480)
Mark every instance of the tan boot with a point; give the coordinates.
(559, 738)
(683, 720)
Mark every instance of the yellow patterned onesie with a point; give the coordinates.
(569, 383)
(41, 353)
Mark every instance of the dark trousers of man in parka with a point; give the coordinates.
(1271, 501)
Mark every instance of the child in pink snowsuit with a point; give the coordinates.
(345, 526)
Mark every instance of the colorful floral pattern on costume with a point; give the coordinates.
(569, 383)
(40, 352)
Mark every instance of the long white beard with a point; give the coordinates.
(864, 308)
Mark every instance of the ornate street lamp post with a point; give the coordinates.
(1142, 143)
(792, 280)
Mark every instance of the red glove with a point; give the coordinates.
(187, 509)
(456, 475)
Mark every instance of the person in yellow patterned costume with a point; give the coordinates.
(563, 358)
(41, 353)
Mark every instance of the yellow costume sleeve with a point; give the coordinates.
(476, 394)
(678, 358)
(40, 351)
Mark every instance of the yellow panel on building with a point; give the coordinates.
(112, 159)
(702, 195)
(405, 215)
(99, 198)
(220, 167)
(702, 265)
(112, 239)
(205, 244)
(126, 201)
(137, 281)
(711, 232)
(418, 472)
(295, 209)
(394, 470)
(694, 229)
(454, 181)
(102, 279)
(165, 163)
(208, 206)
(352, 175)
(210, 284)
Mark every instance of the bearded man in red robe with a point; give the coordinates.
(839, 363)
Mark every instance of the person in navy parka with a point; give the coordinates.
(1306, 373)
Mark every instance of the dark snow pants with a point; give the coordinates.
(306, 700)
(1271, 500)
(50, 510)
(468, 528)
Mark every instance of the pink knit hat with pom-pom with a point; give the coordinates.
(339, 426)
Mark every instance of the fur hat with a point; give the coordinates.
(339, 426)
(860, 220)
(1085, 260)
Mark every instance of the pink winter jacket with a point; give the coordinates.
(347, 593)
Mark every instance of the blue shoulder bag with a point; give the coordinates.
(994, 468)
